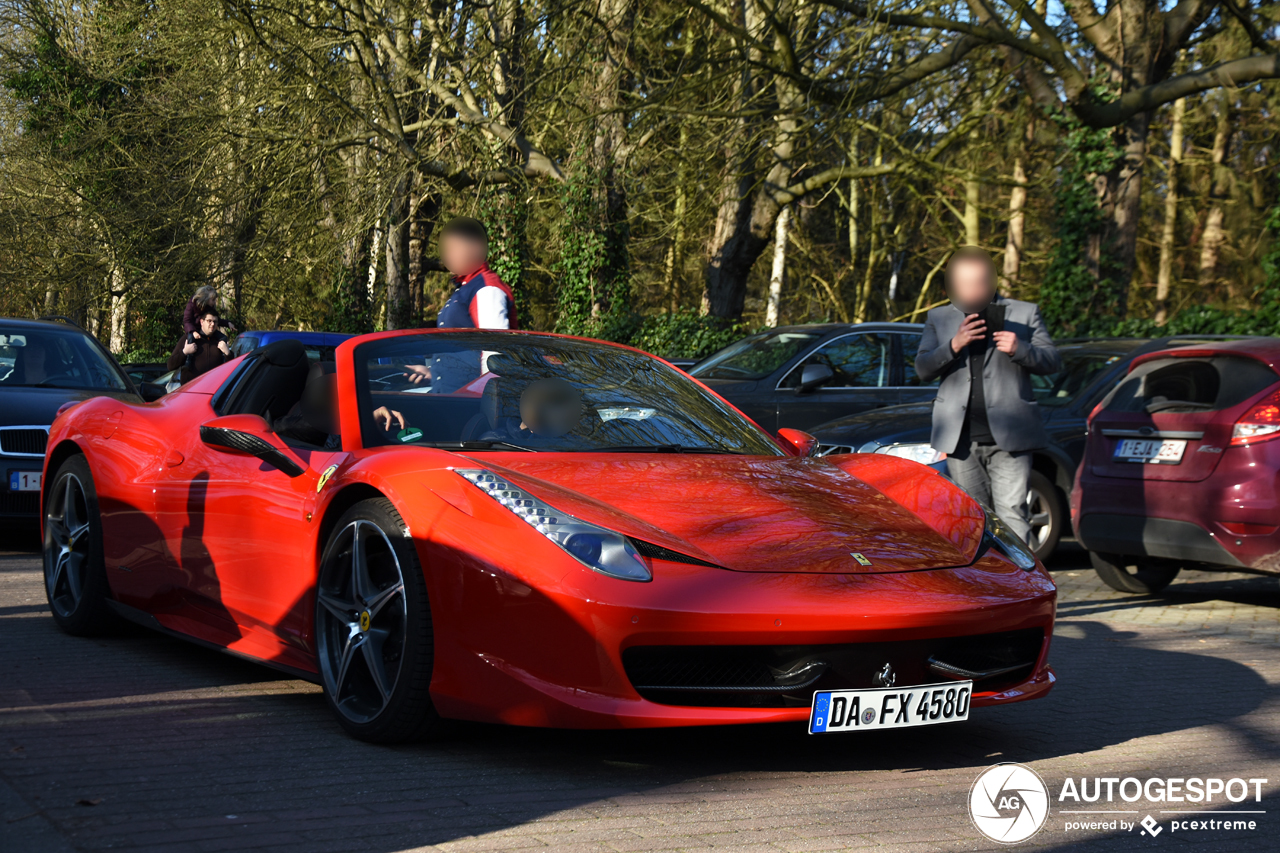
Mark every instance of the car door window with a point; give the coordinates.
(910, 347)
(857, 361)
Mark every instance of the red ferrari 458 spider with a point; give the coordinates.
(536, 530)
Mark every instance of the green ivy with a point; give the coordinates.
(594, 275)
(1070, 297)
(685, 334)
(349, 304)
(504, 211)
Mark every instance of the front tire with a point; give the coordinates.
(1147, 577)
(373, 627)
(75, 576)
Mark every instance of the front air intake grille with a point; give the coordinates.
(787, 676)
(657, 552)
(23, 441)
(19, 503)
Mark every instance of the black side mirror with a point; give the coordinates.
(249, 434)
(814, 376)
(150, 391)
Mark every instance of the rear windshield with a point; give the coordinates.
(1191, 385)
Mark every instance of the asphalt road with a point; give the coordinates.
(147, 743)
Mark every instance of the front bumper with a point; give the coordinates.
(564, 654)
(16, 505)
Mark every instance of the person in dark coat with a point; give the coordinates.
(200, 351)
(205, 299)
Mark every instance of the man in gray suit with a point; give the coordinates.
(985, 418)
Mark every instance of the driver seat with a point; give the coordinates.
(277, 381)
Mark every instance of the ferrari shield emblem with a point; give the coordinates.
(862, 561)
(324, 478)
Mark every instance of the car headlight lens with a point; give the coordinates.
(597, 548)
(916, 452)
(1008, 543)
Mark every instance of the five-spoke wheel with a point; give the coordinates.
(74, 576)
(373, 636)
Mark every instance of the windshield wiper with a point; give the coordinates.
(482, 444)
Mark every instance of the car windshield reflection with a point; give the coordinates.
(54, 358)
(518, 392)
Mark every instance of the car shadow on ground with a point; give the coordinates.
(173, 738)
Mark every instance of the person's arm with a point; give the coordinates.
(934, 356)
(1040, 354)
(489, 309)
(179, 356)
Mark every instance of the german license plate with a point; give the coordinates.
(24, 481)
(1151, 451)
(889, 707)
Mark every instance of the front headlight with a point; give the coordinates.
(916, 452)
(1007, 542)
(597, 548)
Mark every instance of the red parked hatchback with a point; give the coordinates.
(1182, 467)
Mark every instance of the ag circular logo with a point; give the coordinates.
(1008, 803)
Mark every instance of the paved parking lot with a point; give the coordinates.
(146, 743)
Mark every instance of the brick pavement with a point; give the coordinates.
(146, 743)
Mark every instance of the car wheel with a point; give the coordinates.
(1046, 513)
(1137, 575)
(373, 627)
(75, 577)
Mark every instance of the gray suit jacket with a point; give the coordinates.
(1006, 382)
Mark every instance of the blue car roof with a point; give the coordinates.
(331, 339)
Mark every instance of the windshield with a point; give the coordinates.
(504, 391)
(755, 357)
(1079, 369)
(54, 358)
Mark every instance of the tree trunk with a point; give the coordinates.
(972, 193)
(119, 312)
(1164, 278)
(1123, 206)
(397, 257)
(1017, 216)
(779, 266)
(1220, 188)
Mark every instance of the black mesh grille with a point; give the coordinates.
(752, 676)
(657, 552)
(19, 503)
(30, 441)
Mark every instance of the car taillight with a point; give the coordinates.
(1261, 423)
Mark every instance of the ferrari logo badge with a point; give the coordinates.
(324, 478)
(862, 561)
(364, 621)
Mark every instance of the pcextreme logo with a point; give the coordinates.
(1008, 803)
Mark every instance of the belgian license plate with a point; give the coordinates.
(890, 707)
(24, 481)
(1151, 451)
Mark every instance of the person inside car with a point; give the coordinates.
(313, 420)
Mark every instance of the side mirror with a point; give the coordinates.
(249, 434)
(800, 443)
(814, 376)
(150, 391)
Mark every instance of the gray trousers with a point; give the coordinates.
(997, 479)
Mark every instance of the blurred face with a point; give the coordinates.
(550, 407)
(208, 324)
(971, 286)
(462, 255)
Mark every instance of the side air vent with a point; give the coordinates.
(657, 552)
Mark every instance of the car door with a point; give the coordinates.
(242, 536)
(862, 379)
(914, 389)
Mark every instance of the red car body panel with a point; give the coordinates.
(219, 547)
(1216, 484)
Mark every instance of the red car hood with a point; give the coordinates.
(749, 514)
